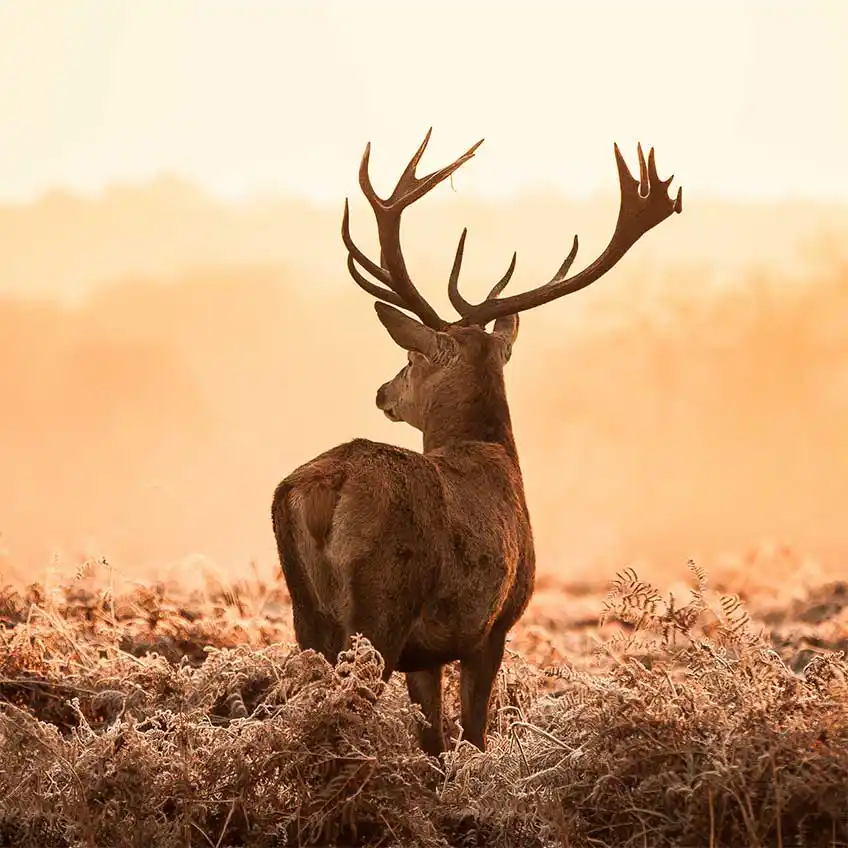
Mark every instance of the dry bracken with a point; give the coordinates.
(169, 719)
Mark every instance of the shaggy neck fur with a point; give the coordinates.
(481, 415)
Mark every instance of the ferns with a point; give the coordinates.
(684, 726)
(639, 604)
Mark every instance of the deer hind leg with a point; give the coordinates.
(314, 628)
(425, 689)
(477, 677)
(382, 607)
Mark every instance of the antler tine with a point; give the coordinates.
(409, 188)
(372, 288)
(644, 204)
(355, 253)
(459, 303)
(392, 271)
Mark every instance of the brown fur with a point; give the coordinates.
(430, 555)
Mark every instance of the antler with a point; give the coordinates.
(397, 288)
(644, 204)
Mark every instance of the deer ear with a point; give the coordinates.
(506, 332)
(407, 332)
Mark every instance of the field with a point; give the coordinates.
(160, 716)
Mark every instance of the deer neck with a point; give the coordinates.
(480, 414)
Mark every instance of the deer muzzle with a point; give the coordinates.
(386, 402)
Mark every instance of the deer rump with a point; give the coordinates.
(419, 553)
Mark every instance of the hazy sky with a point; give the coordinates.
(745, 99)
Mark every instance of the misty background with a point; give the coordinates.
(178, 330)
(167, 358)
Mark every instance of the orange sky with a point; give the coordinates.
(742, 99)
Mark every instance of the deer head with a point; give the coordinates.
(450, 362)
(441, 365)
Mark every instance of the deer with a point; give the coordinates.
(430, 554)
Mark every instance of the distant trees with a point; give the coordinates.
(150, 419)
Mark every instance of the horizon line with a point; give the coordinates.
(269, 195)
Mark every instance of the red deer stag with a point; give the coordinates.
(430, 555)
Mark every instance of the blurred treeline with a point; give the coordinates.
(661, 413)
